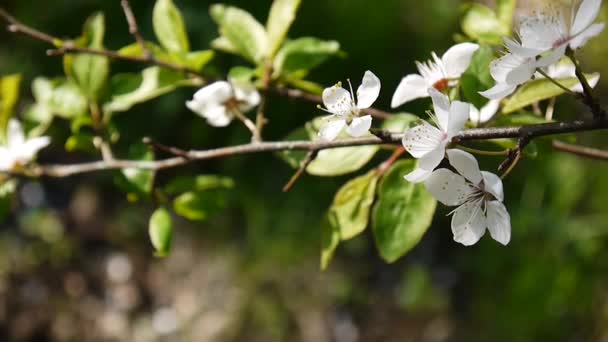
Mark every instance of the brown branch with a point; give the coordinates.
(525, 132)
(582, 151)
(134, 29)
(310, 156)
(587, 96)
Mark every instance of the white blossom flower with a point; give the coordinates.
(566, 70)
(485, 113)
(478, 195)
(509, 71)
(427, 143)
(346, 110)
(18, 151)
(218, 101)
(439, 73)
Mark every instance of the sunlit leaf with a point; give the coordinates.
(7, 190)
(169, 26)
(480, 23)
(80, 142)
(137, 182)
(243, 32)
(303, 54)
(160, 230)
(399, 122)
(198, 183)
(352, 204)
(282, 14)
(402, 214)
(9, 94)
(535, 91)
(505, 10)
(199, 205)
(330, 239)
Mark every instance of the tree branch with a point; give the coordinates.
(582, 151)
(526, 132)
(134, 29)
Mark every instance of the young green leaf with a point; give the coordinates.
(199, 205)
(243, 32)
(160, 229)
(80, 142)
(169, 26)
(198, 183)
(535, 91)
(330, 239)
(504, 12)
(141, 181)
(282, 14)
(480, 23)
(352, 204)
(61, 97)
(303, 54)
(403, 213)
(9, 94)
(89, 72)
(477, 77)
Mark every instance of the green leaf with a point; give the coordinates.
(169, 26)
(303, 54)
(198, 183)
(9, 94)
(241, 74)
(330, 239)
(7, 191)
(403, 213)
(80, 142)
(477, 77)
(89, 72)
(399, 122)
(223, 44)
(352, 204)
(307, 86)
(480, 23)
(130, 89)
(160, 230)
(197, 60)
(199, 205)
(505, 10)
(282, 14)
(61, 97)
(535, 91)
(243, 32)
(140, 181)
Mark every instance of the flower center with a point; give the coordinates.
(441, 85)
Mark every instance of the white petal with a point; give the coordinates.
(214, 93)
(422, 139)
(498, 91)
(197, 107)
(419, 175)
(332, 129)
(498, 221)
(552, 57)
(26, 152)
(217, 116)
(582, 38)
(466, 164)
(368, 91)
(517, 49)
(522, 73)
(493, 185)
(448, 187)
(457, 59)
(441, 104)
(337, 100)
(486, 112)
(14, 134)
(459, 114)
(468, 223)
(541, 31)
(359, 126)
(7, 161)
(586, 14)
(500, 68)
(410, 88)
(248, 96)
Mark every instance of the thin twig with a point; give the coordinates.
(134, 29)
(168, 149)
(381, 170)
(310, 156)
(587, 97)
(554, 81)
(255, 136)
(582, 151)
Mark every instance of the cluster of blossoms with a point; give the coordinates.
(543, 40)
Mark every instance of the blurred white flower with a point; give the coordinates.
(485, 113)
(346, 110)
(509, 71)
(427, 143)
(439, 73)
(218, 101)
(478, 195)
(18, 151)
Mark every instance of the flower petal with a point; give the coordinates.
(518, 49)
(441, 104)
(486, 112)
(217, 116)
(7, 161)
(410, 88)
(493, 185)
(501, 67)
(457, 59)
(26, 152)
(552, 57)
(498, 221)
(469, 223)
(248, 97)
(459, 114)
(337, 100)
(214, 93)
(332, 129)
(14, 134)
(448, 187)
(359, 126)
(368, 91)
(419, 175)
(522, 73)
(466, 164)
(586, 14)
(582, 38)
(498, 91)
(422, 139)
(426, 165)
